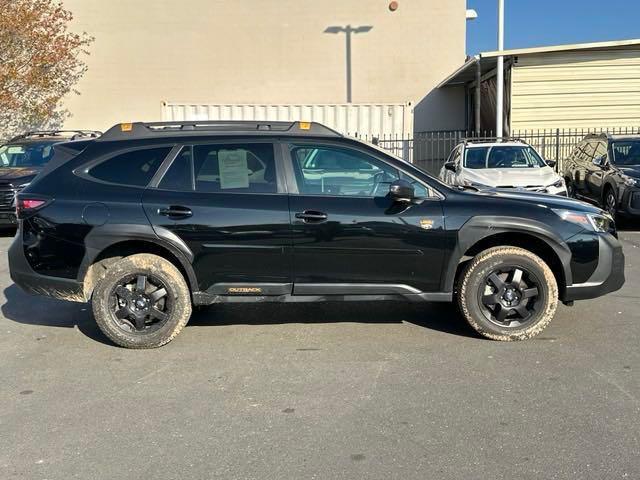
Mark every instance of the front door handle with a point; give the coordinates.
(311, 216)
(175, 211)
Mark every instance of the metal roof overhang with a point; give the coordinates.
(488, 60)
(467, 73)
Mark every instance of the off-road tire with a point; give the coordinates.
(472, 280)
(151, 265)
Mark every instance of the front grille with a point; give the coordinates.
(6, 196)
(635, 200)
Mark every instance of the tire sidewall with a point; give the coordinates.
(474, 281)
(175, 285)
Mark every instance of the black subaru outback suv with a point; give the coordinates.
(605, 169)
(23, 157)
(152, 218)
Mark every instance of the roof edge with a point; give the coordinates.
(563, 48)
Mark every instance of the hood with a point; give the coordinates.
(513, 177)
(542, 199)
(632, 171)
(8, 174)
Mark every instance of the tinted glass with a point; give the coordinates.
(503, 157)
(327, 170)
(134, 168)
(476, 157)
(27, 155)
(585, 153)
(601, 150)
(626, 152)
(514, 157)
(239, 168)
(179, 176)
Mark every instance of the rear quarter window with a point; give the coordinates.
(134, 168)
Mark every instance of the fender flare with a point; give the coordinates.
(478, 228)
(103, 237)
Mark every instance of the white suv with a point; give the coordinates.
(502, 165)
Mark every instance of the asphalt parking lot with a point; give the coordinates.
(321, 391)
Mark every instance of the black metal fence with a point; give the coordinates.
(429, 150)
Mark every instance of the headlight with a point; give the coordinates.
(591, 221)
(628, 181)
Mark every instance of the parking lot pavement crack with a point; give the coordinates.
(615, 384)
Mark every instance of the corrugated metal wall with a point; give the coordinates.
(576, 90)
(363, 120)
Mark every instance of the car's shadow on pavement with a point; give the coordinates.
(628, 224)
(443, 317)
(28, 309)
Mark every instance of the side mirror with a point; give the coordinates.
(551, 163)
(451, 166)
(401, 191)
(600, 161)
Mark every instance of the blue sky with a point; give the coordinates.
(530, 23)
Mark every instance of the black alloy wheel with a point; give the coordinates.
(140, 303)
(610, 202)
(510, 297)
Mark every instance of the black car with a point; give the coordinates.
(23, 157)
(152, 218)
(605, 169)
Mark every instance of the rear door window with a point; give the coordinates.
(222, 168)
(133, 168)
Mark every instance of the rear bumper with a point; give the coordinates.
(608, 276)
(31, 282)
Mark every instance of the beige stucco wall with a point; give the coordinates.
(260, 51)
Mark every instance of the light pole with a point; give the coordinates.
(500, 72)
(348, 30)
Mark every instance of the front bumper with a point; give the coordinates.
(32, 282)
(629, 203)
(608, 275)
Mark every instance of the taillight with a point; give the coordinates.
(27, 205)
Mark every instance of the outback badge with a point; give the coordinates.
(426, 223)
(244, 290)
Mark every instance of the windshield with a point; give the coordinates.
(29, 155)
(502, 157)
(626, 152)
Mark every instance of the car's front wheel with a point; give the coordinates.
(507, 294)
(611, 202)
(143, 301)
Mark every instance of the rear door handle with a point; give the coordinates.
(311, 216)
(175, 211)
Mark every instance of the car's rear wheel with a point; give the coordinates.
(507, 294)
(143, 301)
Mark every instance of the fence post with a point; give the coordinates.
(557, 149)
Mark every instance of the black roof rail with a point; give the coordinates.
(71, 134)
(493, 140)
(137, 130)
